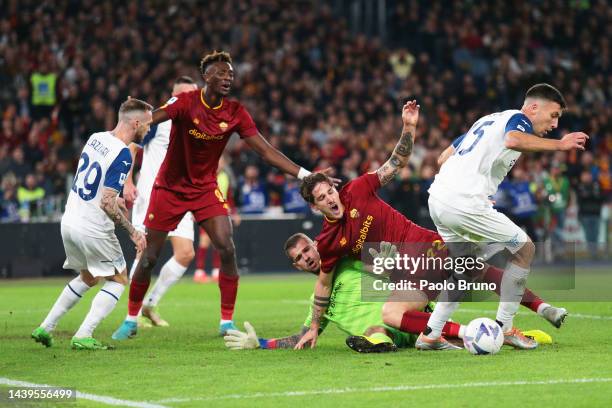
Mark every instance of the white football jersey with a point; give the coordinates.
(105, 162)
(154, 151)
(480, 162)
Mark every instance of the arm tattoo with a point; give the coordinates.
(399, 158)
(290, 341)
(317, 313)
(111, 208)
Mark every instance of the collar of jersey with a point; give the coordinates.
(330, 220)
(204, 102)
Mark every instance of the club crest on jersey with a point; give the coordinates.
(151, 216)
(223, 125)
(343, 241)
(196, 121)
(354, 213)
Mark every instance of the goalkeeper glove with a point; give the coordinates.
(387, 250)
(237, 340)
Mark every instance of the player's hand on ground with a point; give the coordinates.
(129, 191)
(574, 140)
(140, 240)
(331, 172)
(309, 337)
(410, 113)
(387, 250)
(237, 340)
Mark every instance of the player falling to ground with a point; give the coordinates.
(357, 215)
(373, 326)
(460, 207)
(202, 123)
(155, 145)
(88, 226)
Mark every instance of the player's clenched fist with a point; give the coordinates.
(139, 239)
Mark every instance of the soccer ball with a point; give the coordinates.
(483, 336)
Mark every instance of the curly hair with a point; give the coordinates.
(309, 183)
(215, 56)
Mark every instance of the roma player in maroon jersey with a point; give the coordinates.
(202, 123)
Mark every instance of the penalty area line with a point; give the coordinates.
(83, 395)
(349, 390)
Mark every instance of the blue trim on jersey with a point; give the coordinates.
(458, 141)
(149, 136)
(106, 291)
(519, 122)
(118, 170)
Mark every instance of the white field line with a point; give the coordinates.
(82, 395)
(349, 390)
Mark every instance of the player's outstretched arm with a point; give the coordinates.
(274, 157)
(237, 340)
(110, 206)
(525, 142)
(403, 149)
(322, 294)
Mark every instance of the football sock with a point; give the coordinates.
(138, 289)
(69, 297)
(416, 322)
(102, 305)
(228, 285)
(541, 307)
(442, 312)
(512, 289)
(201, 258)
(529, 300)
(170, 273)
(133, 268)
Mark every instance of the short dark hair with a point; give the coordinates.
(133, 105)
(216, 56)
(184, 80)
(308, 184)
(293, 240)
(547, 92)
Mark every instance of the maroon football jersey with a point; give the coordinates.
(197, 139)
(366, 218)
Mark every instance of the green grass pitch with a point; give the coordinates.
(187, 365)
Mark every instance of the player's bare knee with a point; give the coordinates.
(227, 250)
(121, 278)
(389, 312)
(184, 256)
(524, 256)
(88, 278)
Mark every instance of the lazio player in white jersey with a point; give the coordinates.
(460, 207)
(155, 146)
(88, 226)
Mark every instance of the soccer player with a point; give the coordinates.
(373, 326)
(459, 199)
(155, 145)
(88, 226)
(356, 215)
(202, 123)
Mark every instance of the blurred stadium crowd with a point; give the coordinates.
(323, 93)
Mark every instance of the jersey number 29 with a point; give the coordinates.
(90, 182)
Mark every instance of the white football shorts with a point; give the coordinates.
(100, 256)
(493, 229)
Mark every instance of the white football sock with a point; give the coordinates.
(69, 297)
(442, 312)
(133, 268)
(542, 307)
(512, 288)
(462, 331)
(170, 273)
(102, 305)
